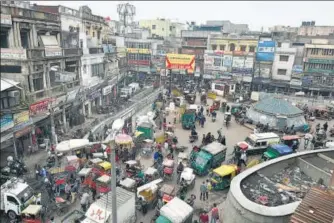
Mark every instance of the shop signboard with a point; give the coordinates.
(238, 62)
(53, 52)
(137, 50)
(265, 51)
(227, 61)
(297, 69)
(181, 62)
(106, 90)
(249, 62)
(40, 107)
(13, 54)
(6, 20)
(263, 72)
(22, 120)
(139, 62)
(197, 72)
(7, 122)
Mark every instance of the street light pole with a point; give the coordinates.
(113, 182)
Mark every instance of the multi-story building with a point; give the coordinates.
(229, 27)
(33, 55)
(319, 67)
(232, 54)
(283, 66)
(195, 42)
(310, 29)
(162, 27)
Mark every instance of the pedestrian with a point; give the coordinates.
(214, 213)
(84, 201)
(243, 158)
(202, 109)
(208, 110)
(209, 188)
(325, 126)
(203, 190)
(204, 217)
(203, 139)
(166, 146)
(227, 108)
(93, 193)
(67, 190)
(74, 191)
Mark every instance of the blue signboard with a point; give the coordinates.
(265, 51)
(297, 69)
(7, 122)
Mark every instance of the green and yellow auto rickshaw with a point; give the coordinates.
(208, 157)
(222, 176)
(277, 150)
(236, 108)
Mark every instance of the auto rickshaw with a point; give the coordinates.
(222, 176)
(212, 95)
(32, 214)
(149, 193)
(168, 191)
(216, 104)
(292, 141)
(189, 177)
(235, 108)
(168, 168)
(275, 151)
(102, 168)
(128, 184)
(191, 98)
(84, 173)
(103, 184)
(151, 174)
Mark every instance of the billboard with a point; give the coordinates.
(238, 62)
(137, 50)
(7, 122)
(227, 61)
(181, 62)
(265, 51)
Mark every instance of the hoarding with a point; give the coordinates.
(13, 54)
(141, 51)
(238, 62)
(6, 19)
(249, 62)
(180, 61)
(22, 120)
(40, 107)
(139, 62)
(266, 51)
(7, 122)
(227, 61)
(53, 52)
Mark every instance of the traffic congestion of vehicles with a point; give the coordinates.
(159, 169)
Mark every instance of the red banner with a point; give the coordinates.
(40, 107)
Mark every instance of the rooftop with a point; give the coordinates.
(289, 181)
(274, 106)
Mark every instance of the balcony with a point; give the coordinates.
(42, 53)
(95, 50)
(23, 13)
(72, 52)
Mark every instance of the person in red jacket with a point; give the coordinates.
(204, 217)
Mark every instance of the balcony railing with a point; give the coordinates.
(72, 52)
(16, 12)
(95, 50)
(41, 53)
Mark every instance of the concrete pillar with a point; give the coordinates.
(18, 35)
(58, 39)
(31, 39)
(11, 41)
(100, 101)
(14, 35)
(89, 109)
(64, 119)
(83, 109)
(34, 34)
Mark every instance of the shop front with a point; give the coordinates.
(23, 126)
(94, 98)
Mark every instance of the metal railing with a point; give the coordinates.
(72, 52)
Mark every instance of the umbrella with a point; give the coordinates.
(123, 139)
(72, 144)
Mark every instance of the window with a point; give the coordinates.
(4, 39)
(12, 200)
(283, 58)
(98, 34)
(97, 70)
(222, 47)
(252, 49)
(214, 47)
(314, 51)
(170, 28)
(263, 143)
(243, 48)
(153, 26)
(10, 69)
(279, 44)
(232, 47)
(24, 39)
(281, 72)
(93, 34)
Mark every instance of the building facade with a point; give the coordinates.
(283, 62)
(162, 27)
(229, 27)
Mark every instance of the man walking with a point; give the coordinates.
(214, 213)
(203, 189)
(209, 188)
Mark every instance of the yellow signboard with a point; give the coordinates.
(181, 62)
(136, 50)
(212, 95)
(22, 117)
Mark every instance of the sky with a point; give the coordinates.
(256, 14)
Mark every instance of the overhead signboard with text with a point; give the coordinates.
(266, 51)
(181, 62)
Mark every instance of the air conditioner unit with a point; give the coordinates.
(14, 94)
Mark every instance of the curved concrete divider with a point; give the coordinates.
(239, 209)
(126, 113)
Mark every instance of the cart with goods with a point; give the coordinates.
(128, 184)
(149, 193)
(168, 169)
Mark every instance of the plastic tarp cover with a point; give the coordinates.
(272, 120)
(50, 41)
(177, 211)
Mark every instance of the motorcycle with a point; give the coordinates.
(193, 138)
(190, 201)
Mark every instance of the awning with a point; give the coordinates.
(7, 83)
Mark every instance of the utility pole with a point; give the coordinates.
(52, 120)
